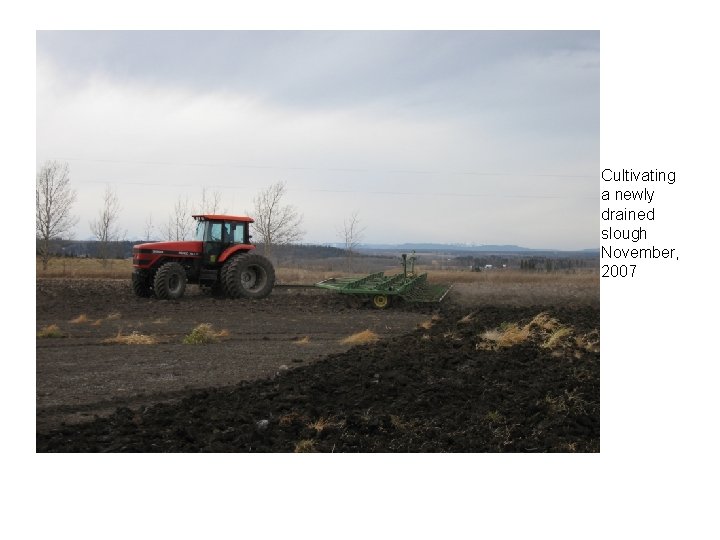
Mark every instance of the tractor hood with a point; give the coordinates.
(170, 248)
(150, 255)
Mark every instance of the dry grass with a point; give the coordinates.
(302, 341)
(508, 335)
(516, 288)
(306, 445)
(111, 317)
(569, 402)
(80, 319)
(290, 418)
(467, 318)
(495, 287)
(543, 329)
(428, 324)
(452, 336)
(366, 336)
(85, 268)
(204, 334)
(134, 338)
(499, 276)
(557, 337)
(323, 423)
(544, 321)
(50, 331)
(300, 276)
(589, 342)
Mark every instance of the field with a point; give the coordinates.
(508, 362)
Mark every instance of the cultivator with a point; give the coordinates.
(382, 290)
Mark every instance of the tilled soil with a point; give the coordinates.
(438, 380)
(83, 374)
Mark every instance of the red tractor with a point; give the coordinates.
(220, 259)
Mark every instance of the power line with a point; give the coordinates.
(329, 169)
(368, 192)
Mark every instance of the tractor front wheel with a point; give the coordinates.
(248, 276)
(170, 281)
(141, 287)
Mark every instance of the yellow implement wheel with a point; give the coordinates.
(380, 301)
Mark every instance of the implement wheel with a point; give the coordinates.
(380, 301)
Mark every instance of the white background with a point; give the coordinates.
(656, 475)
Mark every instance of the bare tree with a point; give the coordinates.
(179, 225)
(276, 223)
(210, 203)
(351, 234)
(106, 227)
(149, 228)
(54, 199)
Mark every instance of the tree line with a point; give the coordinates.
(276, 222)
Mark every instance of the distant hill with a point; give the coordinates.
(468, 248)
(443, 247)
(307, 252)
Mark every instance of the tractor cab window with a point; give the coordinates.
(215, 233)
(239, 232)
(236, 233)
(200, 231)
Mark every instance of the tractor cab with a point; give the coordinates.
(218, 232)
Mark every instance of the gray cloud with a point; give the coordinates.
(418, 114)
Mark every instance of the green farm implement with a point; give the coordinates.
(382, 290)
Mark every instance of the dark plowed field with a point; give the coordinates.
(454, 378)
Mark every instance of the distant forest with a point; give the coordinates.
(309, 255)
(123, 249)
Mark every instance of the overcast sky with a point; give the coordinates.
(486, 137)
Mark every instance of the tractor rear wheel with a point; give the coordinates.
(141, 287)
(248, 276)
(170, 281)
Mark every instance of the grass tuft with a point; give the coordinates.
(323, 423)
(302, 341)
(467, 318)
(545, 322)
(50, 331)
(366, 336)
(589, 342)
(306, 445)
(82, 318)
(288, 419)
(556, 338)
(543, 329)
(134, 338)
(204, 334)
(512, 334)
